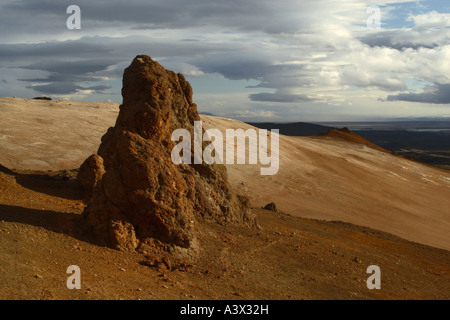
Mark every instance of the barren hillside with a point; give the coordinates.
(319, 177)
(289, 255)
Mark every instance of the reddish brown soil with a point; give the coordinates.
(41, 234)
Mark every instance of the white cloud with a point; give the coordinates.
(430, 20)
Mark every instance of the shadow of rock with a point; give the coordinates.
(65, 223)
(62, 184)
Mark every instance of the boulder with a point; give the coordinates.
(90, 172)
(42, 98)
(271, 206)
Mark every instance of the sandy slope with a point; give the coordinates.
(51, 135)
(336, 180)
(322, 178)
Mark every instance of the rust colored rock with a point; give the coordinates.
(143, 197)
(91, 171)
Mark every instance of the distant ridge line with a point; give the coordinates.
(299, 129)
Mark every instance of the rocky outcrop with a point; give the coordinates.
(143, 197)
(91, 171)
(271, 206)
(42, 98)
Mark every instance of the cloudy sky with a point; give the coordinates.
(254, 60)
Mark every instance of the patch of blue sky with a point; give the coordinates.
(396, 16)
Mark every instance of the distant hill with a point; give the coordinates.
(348, 135)
(321, 131)
(294, 129)
(428, 147)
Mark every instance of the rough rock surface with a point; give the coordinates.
(143, 198)
(91, 171)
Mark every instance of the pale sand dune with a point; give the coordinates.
(51, 135)
(325, 179)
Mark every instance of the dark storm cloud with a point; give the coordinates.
(71, 62)
(164, 13)
(389, 39)
(65, 71)
(83, 48)
(279, 97)
(236, 68)
(56, 88)
(67, 63)
(99, 88)
(140, 14)
(110, 49)
(439, 94)
(72, 67)
(253, 65)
